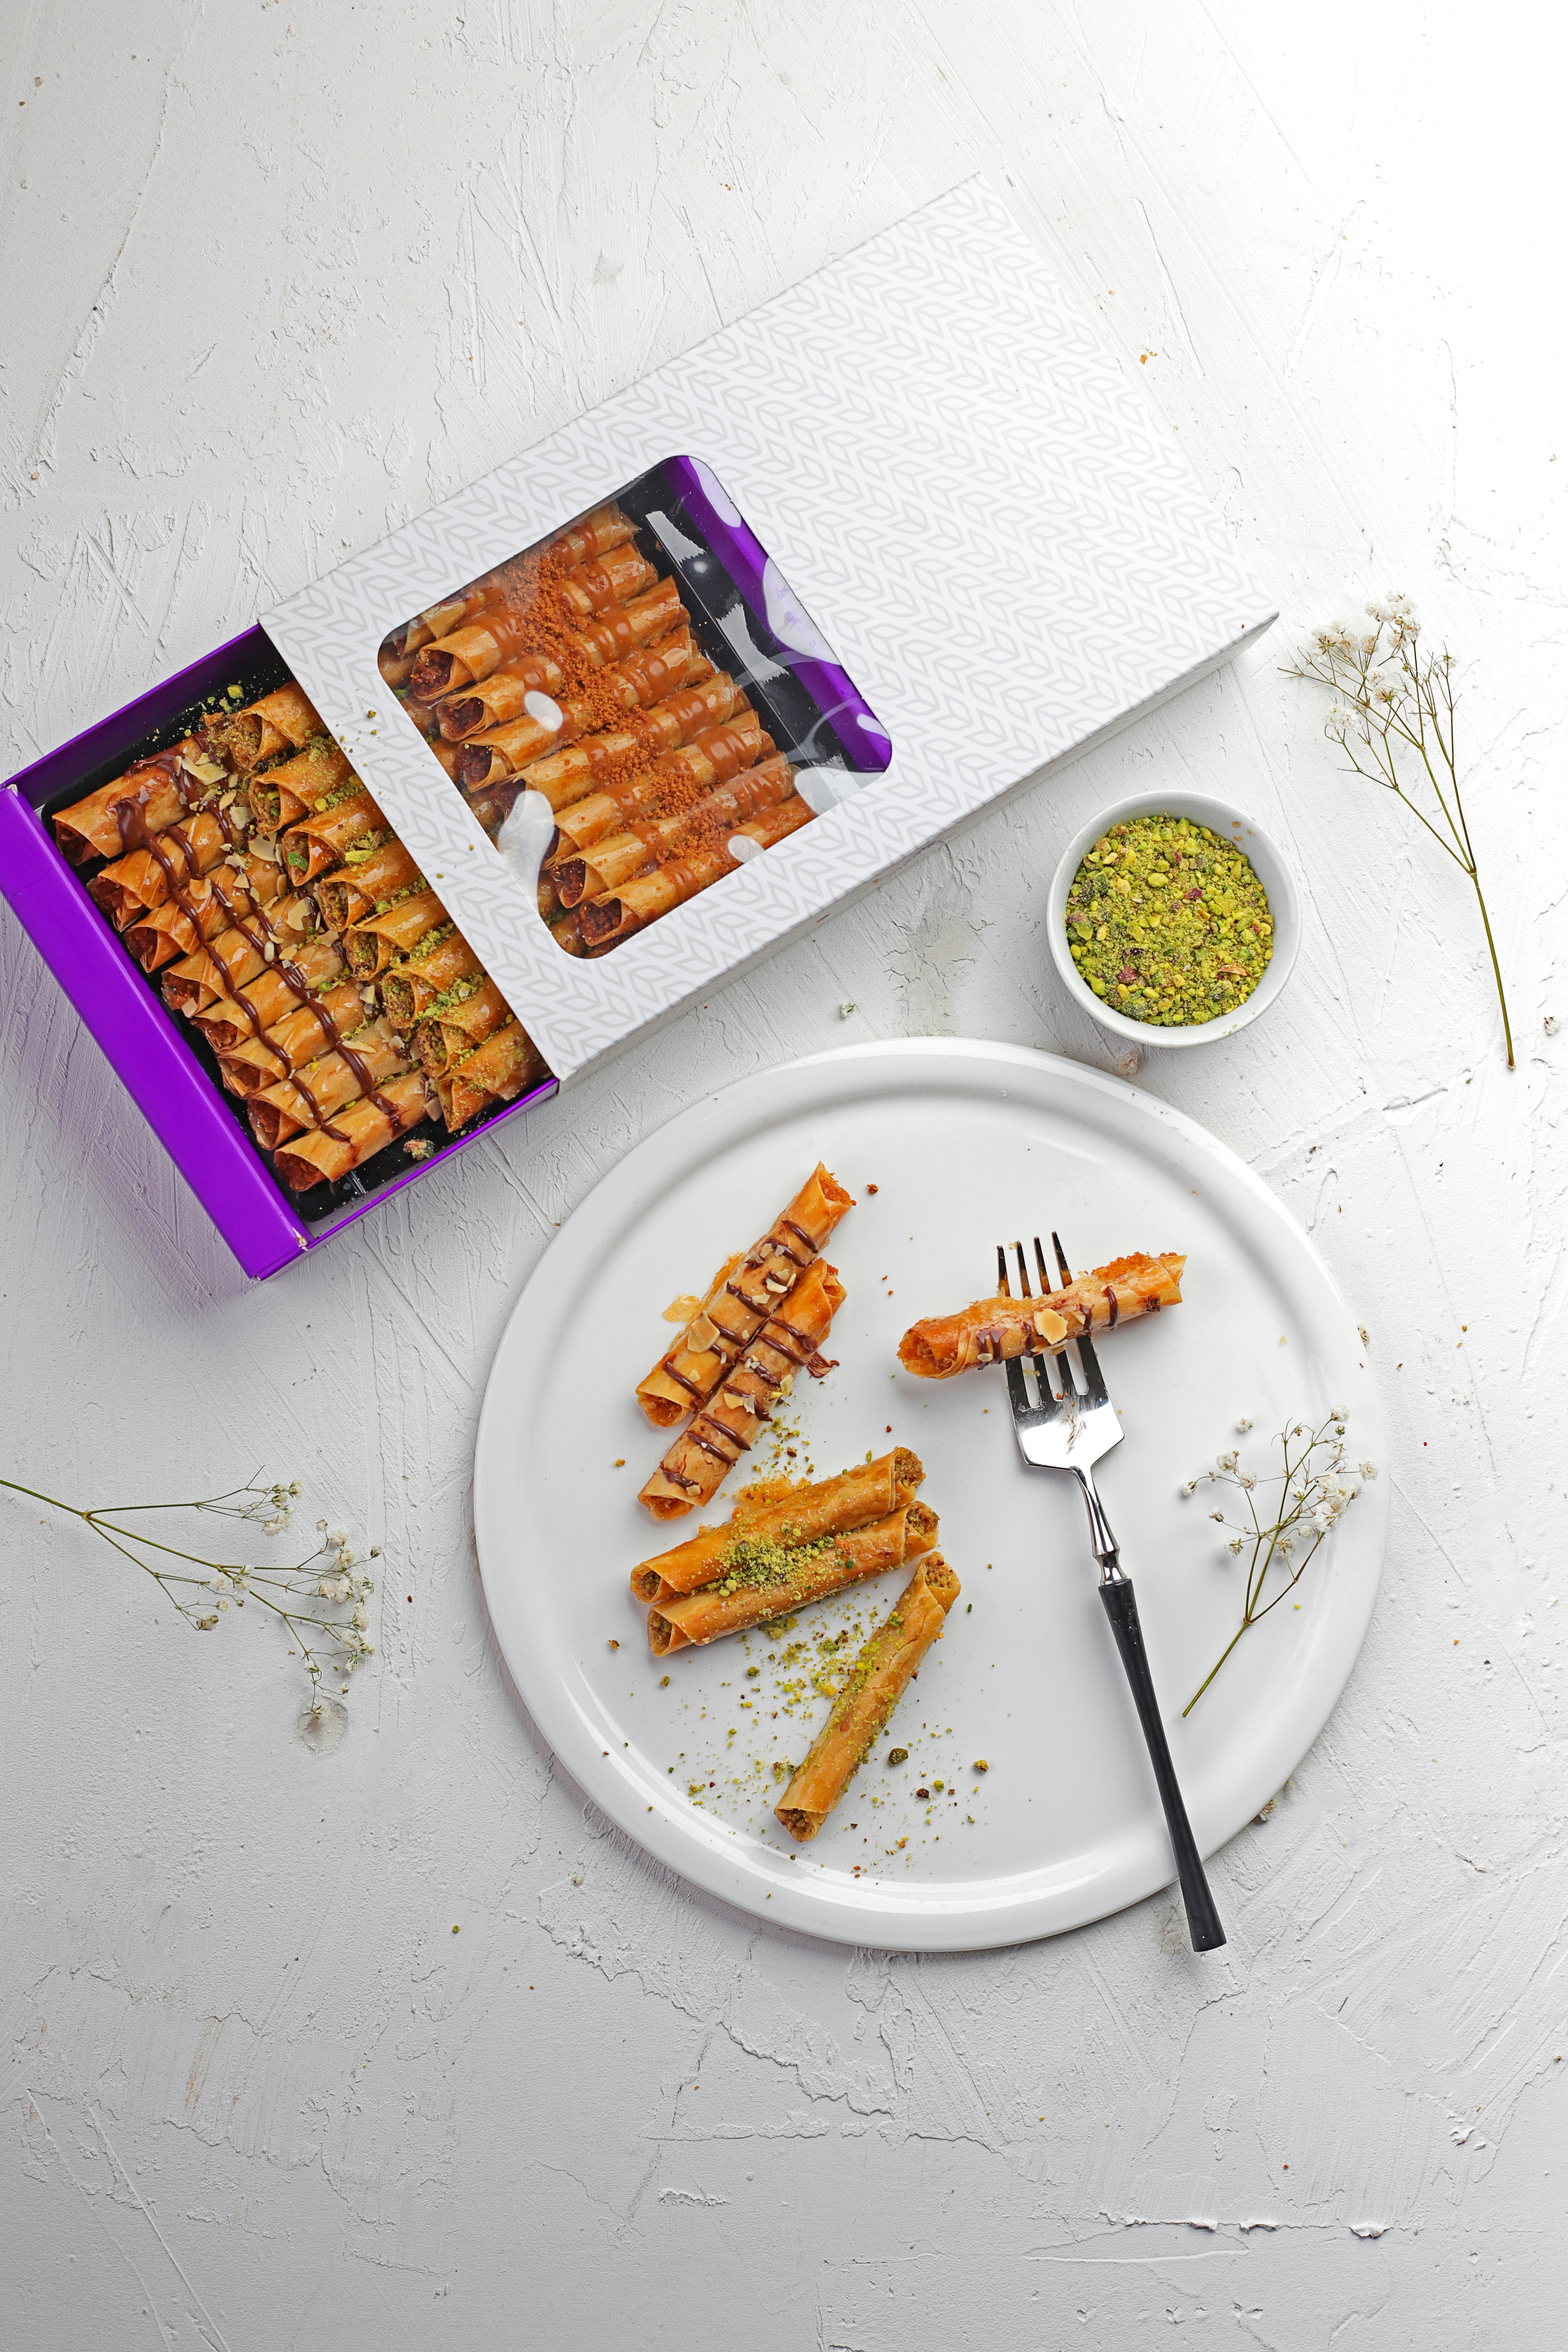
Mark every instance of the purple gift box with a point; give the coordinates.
(737, 598)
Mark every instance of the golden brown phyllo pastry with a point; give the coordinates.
(993, 1330)
(722, 1431)
(871, 1689)
(741, 1298)
(786, 1514)
(764, 1577)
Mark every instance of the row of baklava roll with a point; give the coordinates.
(573, 672)
(249, 867)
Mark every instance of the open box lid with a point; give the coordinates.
(983, 520)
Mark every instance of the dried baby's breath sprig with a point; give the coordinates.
(1315, 1491)
(1393, 717)
(299, 1595)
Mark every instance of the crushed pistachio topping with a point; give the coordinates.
(1168, 923)
(336, 797)
(763, 1559)
(450, 998)
(432, 938)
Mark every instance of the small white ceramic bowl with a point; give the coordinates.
(1278, 883)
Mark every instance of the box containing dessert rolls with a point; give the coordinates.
(485, 803)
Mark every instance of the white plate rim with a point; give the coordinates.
(703, 1849)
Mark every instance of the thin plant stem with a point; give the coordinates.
(274, 1588)
(1387, 691)
(1310, 1499)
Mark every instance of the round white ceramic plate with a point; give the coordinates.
(968, 1144)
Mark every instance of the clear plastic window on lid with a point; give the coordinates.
(636, 706)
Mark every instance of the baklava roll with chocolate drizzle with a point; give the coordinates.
(741, 1298)
(305, 1033)
(353, 1135)
(147, 799)
(993, 1330)
(359, 1064)
(146, 878)
(279, 939)
(722, 1430)
(199, 911)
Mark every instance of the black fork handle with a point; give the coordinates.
(1203, 1919)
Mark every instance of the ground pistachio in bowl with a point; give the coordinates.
(1167, 923)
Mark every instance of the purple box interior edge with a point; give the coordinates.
(140, 1038)
(142, 1041)
(143, 1044)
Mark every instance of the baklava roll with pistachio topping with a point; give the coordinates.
(508, 1064)
(359, 1064)
(365, 882)
(634, 904)
(353, 1135)
(282, 722)
(279, 940)
(764, 1577)
(793, 1515)
(281, 795)
(374, 945)
(147, 799)
(440, 963)
(319, 840)
(722, 1429)
(993, 1330)
(870, 1690)
(741, 1296)
(452, 1029)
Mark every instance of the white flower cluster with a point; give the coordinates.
(341, 1583)
(1323, 1488)
(1315, 1488)
(273, 1506)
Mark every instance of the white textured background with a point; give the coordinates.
(277, 275)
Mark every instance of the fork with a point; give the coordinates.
(1072, 1431)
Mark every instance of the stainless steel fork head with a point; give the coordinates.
(1070, 1422)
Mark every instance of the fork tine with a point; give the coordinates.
(1071, 1385)
(1017, 1387)
(1094, 1378)
(1045, 1366)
